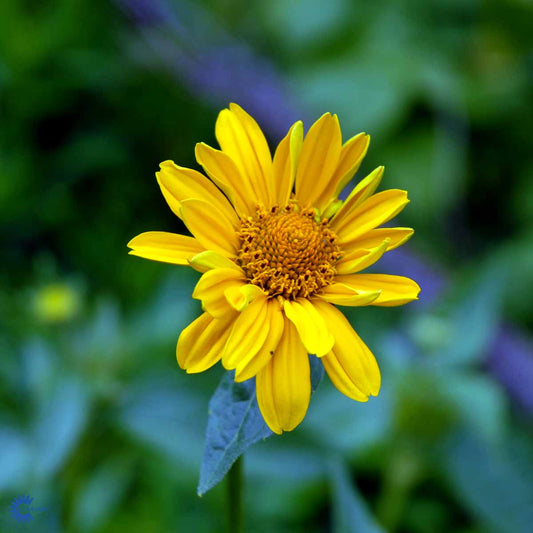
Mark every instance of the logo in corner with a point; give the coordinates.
(20, 509)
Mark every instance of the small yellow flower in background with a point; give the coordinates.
(278, 250)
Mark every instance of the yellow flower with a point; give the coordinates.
(278, 250)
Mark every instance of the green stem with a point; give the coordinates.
(235, 507)
(401, 476)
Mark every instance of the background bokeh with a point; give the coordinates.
(97, 422)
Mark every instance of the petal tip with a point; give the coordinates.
(167, 163)
(197, 148)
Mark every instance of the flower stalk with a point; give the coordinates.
(235, 490)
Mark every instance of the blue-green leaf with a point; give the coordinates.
(102, 493)
(317, 372)
(494, 483)
(235, 423)
(474, 321)
(61, 419)
(350, 511)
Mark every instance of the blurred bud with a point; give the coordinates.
(56, 302)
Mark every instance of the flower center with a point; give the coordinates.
(287, 252)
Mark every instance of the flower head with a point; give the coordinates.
(278, 251)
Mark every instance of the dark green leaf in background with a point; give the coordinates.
(350, 511)
(475, 319)
(495, 483)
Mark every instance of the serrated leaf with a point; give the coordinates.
(350, 511)
(235, 423)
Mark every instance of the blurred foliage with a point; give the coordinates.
(97, 422)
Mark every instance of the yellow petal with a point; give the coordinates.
(340, 378)
(241, 138)
(211, 286)
(209, 260)
(352, 354)
(360, 259)
(395, 290)
(200, 344)
(364, 189)
(252, 363)
(248, 334)
(310, 324)
(286, 162)
(332, 208)
(212, 231)
(340, 294)
(351, 223)
(360, 192)
(264, 386)
(179, 183)
(224, 172)
(352, 154)
(240, 296)
(319, 159)
(371, 239)
(166, 247)
(284, 384)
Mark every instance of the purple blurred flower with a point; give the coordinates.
(511, 359)
(215, 67)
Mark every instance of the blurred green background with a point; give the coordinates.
(97, 422)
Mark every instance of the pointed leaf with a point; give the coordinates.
(234, 424)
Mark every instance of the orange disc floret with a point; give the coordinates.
(288, 252)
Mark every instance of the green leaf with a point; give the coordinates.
(474, 322)
(350, 511)
(102, 493)
(495, 483)
(317, 372)
(480, 403)
(356, 426)
(160, 407)
(60, 422)
(235, 423)
(15, 459)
